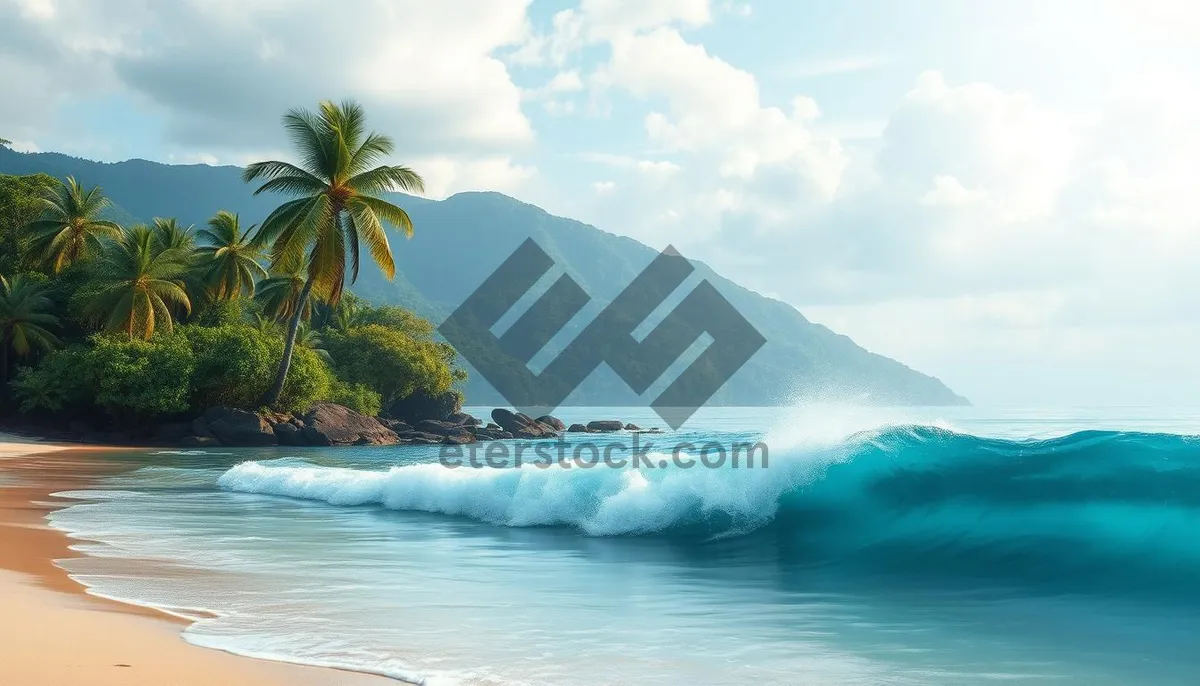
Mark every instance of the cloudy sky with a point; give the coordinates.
(1000, 194)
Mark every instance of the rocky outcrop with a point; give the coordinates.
(290, 433)
(521, 425)
(330, 424)
(552, 422)
(605, 425)
(232, 426)
(463, 418)
(327, 424)
(422, 405)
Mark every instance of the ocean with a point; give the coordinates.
(922, 546)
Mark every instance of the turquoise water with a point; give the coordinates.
(940, 546)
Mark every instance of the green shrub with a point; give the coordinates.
(309, 380)
(235, 364)
(388, 361)
(400, 319)
(139, 377)
(56, 383)
(216, 313)
(357, 397)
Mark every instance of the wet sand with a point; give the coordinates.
(52, 633)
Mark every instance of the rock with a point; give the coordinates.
(172, 432)
(605, 425)
(464, 419)
(289, 434)
(521, 425)
(200, 428)
(461, 437)
(396, 425)
(418, 438)
(483, 434)
(330, 424)
(515, 422)
(552, 422)
(421, 405)
(234, 427)
(577, 429)
(439, 427)
(493, 426)
(632, 427)
(198, 441)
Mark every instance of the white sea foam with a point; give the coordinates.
(600, 501)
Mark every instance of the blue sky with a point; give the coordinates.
(994, 193)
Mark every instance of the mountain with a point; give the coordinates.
(459, 241)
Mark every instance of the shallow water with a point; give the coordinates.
(941, 546)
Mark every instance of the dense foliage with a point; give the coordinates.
(142, 321)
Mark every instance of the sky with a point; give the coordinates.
(998, 194)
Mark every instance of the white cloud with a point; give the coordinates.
(819, 67)
(598, 21)
(947, 191)
(446, 175)
(221, 73)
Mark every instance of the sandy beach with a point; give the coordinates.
(52, 633)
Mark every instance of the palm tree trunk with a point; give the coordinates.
(289, 345)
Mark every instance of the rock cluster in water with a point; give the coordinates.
(423, 420)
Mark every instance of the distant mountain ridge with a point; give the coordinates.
(459, 241)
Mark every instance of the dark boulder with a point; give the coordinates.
(577, 429)
(460, 437)
(421, 405)
(200, 428)
(509, 420)
(330, 424)
(396, 425)
(463, 419)
(632, 427)
(234, 427)
(521, 425)
(418, 438)
(172, 432)
(552, 422)
(605, 425)
(439, 427)
(289, 434)
(483, 434)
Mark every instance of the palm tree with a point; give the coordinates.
(69, 227)
(170, 234)
(24, 318)
(308, 337)
(264, 324)
(279, 296)
(339, 207)
(232, 256)
(139, 282)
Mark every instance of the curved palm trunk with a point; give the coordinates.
(289, 345)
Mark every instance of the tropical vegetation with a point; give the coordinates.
(140, 321)
(339, 208)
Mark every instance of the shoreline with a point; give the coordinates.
(55, 633)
